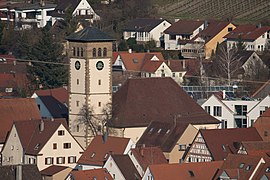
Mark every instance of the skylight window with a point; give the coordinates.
(106, 155)
(223, 147)
(159, 131)
(135, 61)
(36, 147)
(168, 131)
(191, 173)
(241, 165)
(151, 130)
(93, 155)
(248, 167)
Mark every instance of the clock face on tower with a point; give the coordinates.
(77, 65)
(99, 65)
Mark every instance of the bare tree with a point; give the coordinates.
(228, 62)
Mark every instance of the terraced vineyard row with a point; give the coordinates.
(254, 10)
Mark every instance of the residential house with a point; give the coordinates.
(79, 8)
(254, 38)
(142, 157)
(200, 170)
(145, 30)
(121, 167)
(140, 101)
(51, 108)
(41, 142)
(262, 124)
(178, 68)
(13, 110)
(240, 167)
(230, 112)
(173, 138)
(28, 15)
(216, 144)
(209, 37)
(27, 171)
(258, 109)
(254, 148)
(55, 172)
(99, 150)
(13, 77)
(181, 32)
(100, 173)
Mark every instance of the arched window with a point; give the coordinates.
(94, 52)
(104, 52)
(78, 51)
(81, 52)
(99, 52)
(74, 51)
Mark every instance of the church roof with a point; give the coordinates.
(89, 34)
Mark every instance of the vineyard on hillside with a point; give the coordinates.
(239, 10)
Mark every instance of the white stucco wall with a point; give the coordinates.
(113, 169)
(147, 175)
(134, 133)
(254, 113)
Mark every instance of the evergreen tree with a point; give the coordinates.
(47, 73)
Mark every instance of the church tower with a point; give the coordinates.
(90, 82)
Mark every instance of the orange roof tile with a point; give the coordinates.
(91, 174)
(98, 152)
(195, 171)
(16, 109)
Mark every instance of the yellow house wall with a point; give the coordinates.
(212, 44)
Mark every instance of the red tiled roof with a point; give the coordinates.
(98, 152)
(176, 65)
(13, 80)
(53, 169)
(233, 138)
(98, 174)
(139, 61)
(34, 137)
(262, 124)
(199, 170)
(140, 101)
(183, 27)
(149, 155)
(247, 32)
(126, 166)
(61, 94)
(8, 57)
(266, 113)
(16, 109)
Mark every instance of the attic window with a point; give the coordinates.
(191, 173)
(159, 131)
(135, 61)
(151, 130)
(248, 167)
(241, 165)
(93, 155)
(36, 147)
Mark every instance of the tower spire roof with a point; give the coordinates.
(89, 34)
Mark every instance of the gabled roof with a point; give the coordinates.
(239, 166)
(221, 147)
(140, 101)
(99, 151)
(183, 27)
(29, 171)
(140, 61)
(56, 108)
(100, 173)
(61, 94)
(53, 169)
(257, 148)
(263, 91)
(142, 25)
(16, 109)
(34, 139)
(162, 134)
(247, 32)
(149, 155)
(199, 170)
(212, 29)
(89, 34)
(262, 124)
(126, 166)
(176, 65)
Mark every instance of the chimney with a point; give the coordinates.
(129, 50)
(223, 94)
(41, 126)
(14, 62)
(169, 63)
(18, 175)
